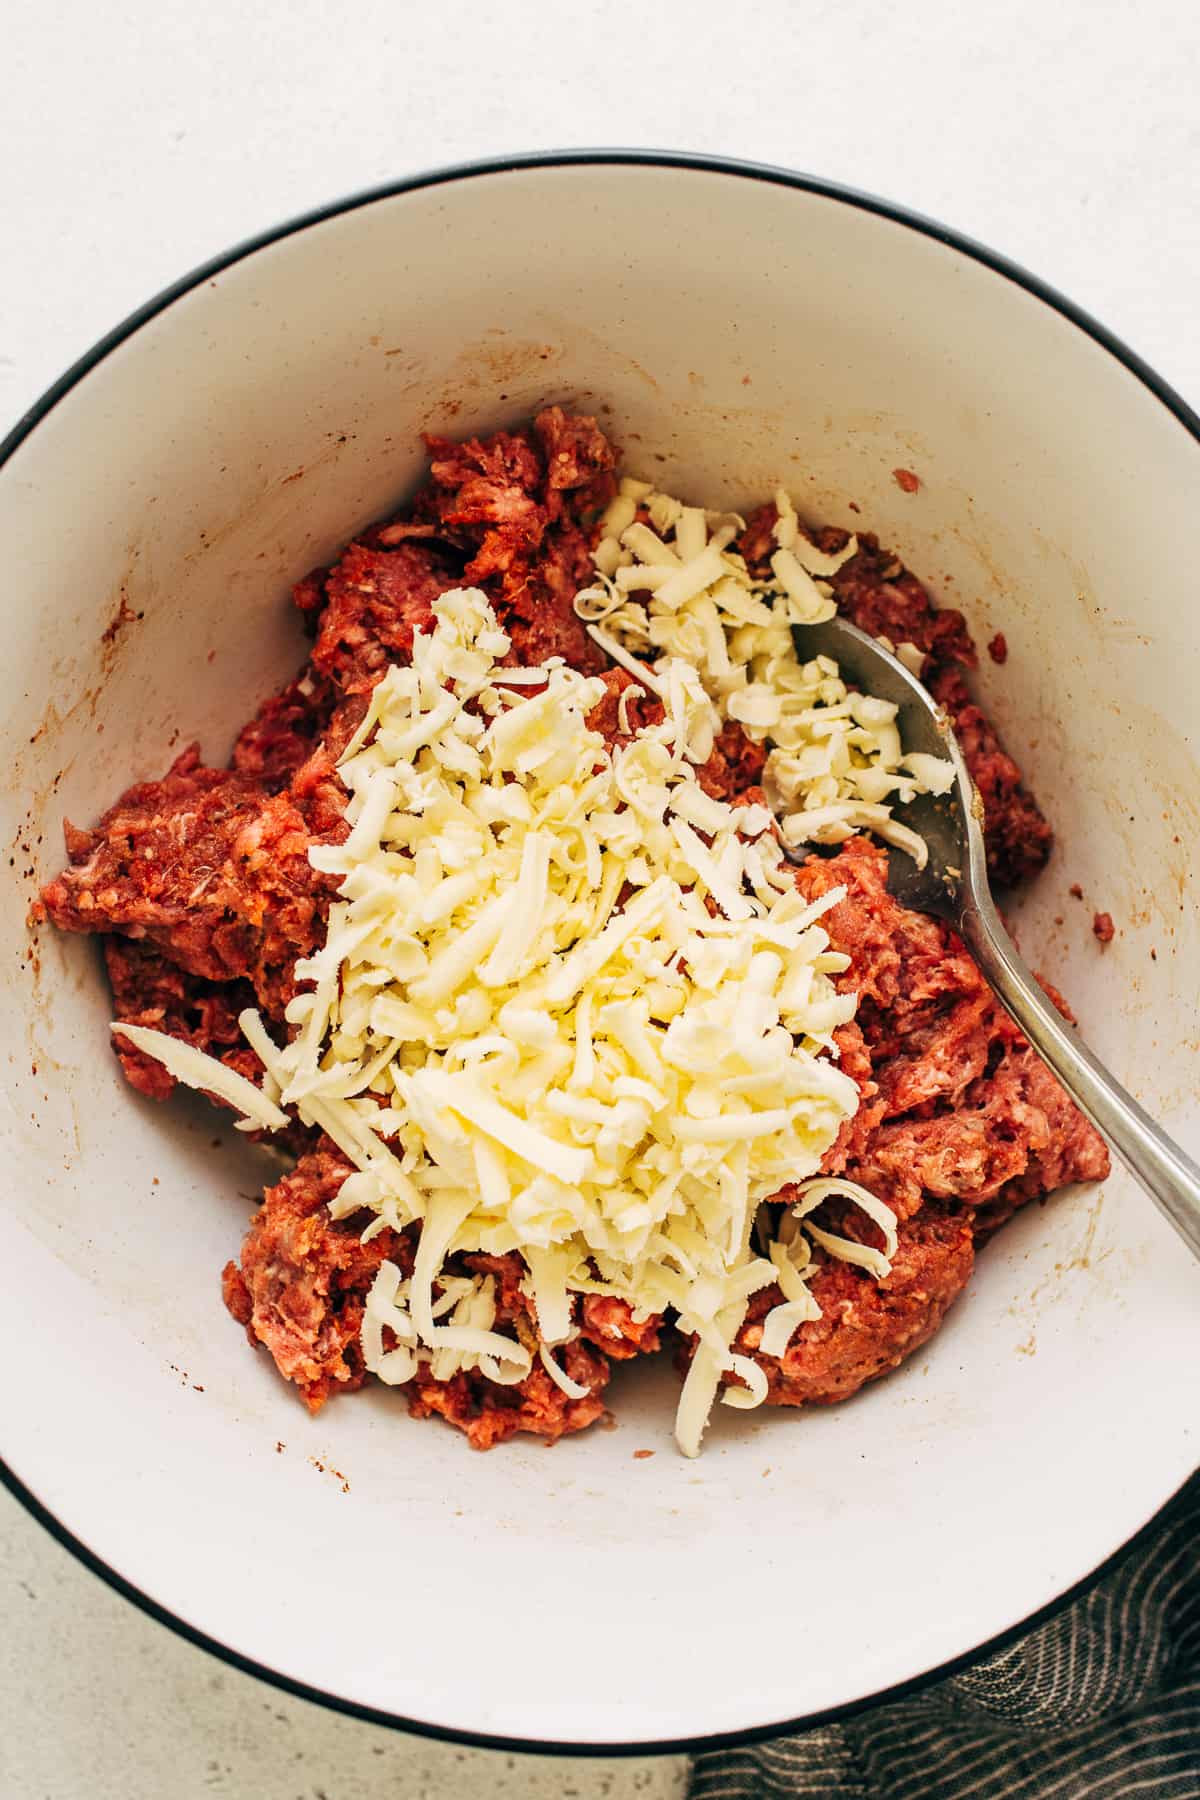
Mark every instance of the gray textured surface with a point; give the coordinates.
(98, 1702)
(137, 141)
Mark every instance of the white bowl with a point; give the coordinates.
(737, 326)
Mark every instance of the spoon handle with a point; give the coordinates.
(1166, 1172)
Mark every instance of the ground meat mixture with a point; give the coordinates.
(609, 1323)
(507, 514)
(371, 602)
(1019, 837)
(640, 707)
(489, 1413)
(959, 1123)
(866, 1327)
(286, 730)
(957, 1107)
(735, 765)
(148, 989)
(209, 866)
(201, 890)
(301, 1286)
(303, 1279)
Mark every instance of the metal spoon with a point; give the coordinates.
(953, 885)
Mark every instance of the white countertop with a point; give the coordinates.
(137, 141)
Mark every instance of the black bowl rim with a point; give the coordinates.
(470, 171)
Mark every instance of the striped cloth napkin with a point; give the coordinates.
(1100, 1703)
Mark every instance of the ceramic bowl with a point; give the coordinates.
(734, 327)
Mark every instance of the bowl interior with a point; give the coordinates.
(732, 333)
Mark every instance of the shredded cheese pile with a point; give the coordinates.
(673, 587)
(568, 1004)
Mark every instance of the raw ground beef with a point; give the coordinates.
(304, 1277)
(959, 1125)
(957, 1107)
(507, 514)
(147, 989)
(286, 730)
(200, 887)
(301, 1285)
(211, 867)
(866, 1326)
(489, 1413)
